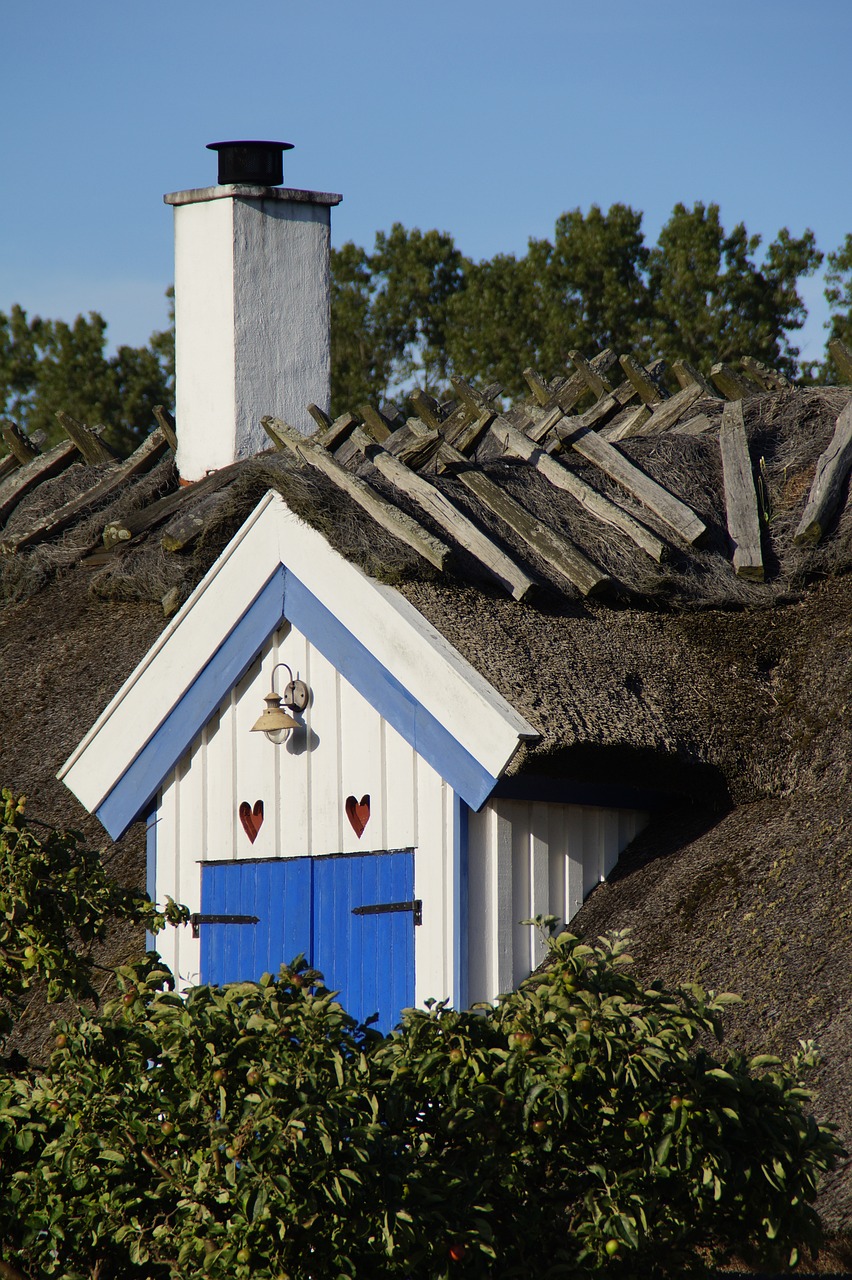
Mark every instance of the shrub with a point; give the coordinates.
(579, 1126)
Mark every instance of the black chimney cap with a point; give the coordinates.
(255, 163)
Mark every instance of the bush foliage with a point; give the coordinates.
(256, 1130)
(579, 1126)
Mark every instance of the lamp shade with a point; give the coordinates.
(275, 722)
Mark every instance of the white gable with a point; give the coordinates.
(276, 569)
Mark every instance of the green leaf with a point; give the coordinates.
(663, 1149)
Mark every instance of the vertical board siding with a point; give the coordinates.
(345, 749)
(527, 859)
(434, 874)
(279, 894)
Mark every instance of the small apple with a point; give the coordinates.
(61, 1041)
(612, 1247)
(456, 1055)
(244, 1255)
(167, 1128)
(645, 1118)
(220, 1075)
(29, 952)
(676, 1103)
(458, 1251)
(584, 1026)
(130, 996)
(523, 1039)
(253, 1076)
(539, 1126)
(54, 1106)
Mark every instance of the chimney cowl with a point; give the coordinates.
(254, 163)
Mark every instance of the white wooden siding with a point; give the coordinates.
(346, 749)
(527, 859)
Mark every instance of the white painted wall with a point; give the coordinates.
(527, 859)
(347, 749)
(252, 318)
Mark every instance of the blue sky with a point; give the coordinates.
(485, 118)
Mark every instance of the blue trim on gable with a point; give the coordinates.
(151, 868)
(460, 885)
(138, 785)
(284, 595)
(420, 729)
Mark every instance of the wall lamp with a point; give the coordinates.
(275, 722)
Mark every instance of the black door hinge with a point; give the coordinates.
(380, 908)
(198, 918)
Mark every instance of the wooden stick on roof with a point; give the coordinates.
(831, 470)
(649, 390)
(740, 494)
(150, 450)
(94, 450)
(20, 446)
(166, 423)
(556, 550)
(23, 479)
(439, 507)
(732, 385)
(673, 513)
(665, 415)
(518, 445)
(396, 522)
(842, 357)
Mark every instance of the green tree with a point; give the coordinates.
(711, 301)
(415, 274)
(47, 365)
(497, 324)
(56, 901)
(361, 358)
(578, 1127)
(838, 295)
(592, 276)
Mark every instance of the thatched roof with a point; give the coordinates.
(728, 693)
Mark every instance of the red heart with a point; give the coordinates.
(252, 819)
(358, 813)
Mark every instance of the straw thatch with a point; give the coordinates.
(731, 697)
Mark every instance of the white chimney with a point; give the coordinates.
(252, 307)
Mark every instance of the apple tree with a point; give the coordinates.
(580, 1126)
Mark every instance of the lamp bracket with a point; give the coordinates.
(296, 695)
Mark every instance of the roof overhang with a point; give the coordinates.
(276, 568)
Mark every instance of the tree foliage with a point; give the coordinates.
(47, 365)
(56, 900)
(699, 294)
(415, 310)
(838, 294)
(711, 301)
(580, 1126)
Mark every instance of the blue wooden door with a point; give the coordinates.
(350, 915)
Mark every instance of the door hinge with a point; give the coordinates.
(198, 918)
(380, 908)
